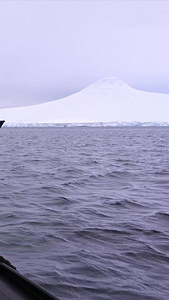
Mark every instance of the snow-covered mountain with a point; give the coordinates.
(107, 100)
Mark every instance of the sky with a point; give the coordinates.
(51, 49)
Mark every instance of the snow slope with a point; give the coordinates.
(107, 100)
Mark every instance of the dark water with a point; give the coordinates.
(84, 212)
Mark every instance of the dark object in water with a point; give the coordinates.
(1, 123)
(14, 286)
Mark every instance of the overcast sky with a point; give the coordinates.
(50, 49)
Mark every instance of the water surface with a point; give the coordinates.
(85, 211)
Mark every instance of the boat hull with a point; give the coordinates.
(1, 123)
(14, 286)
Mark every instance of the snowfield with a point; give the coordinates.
(109, 100)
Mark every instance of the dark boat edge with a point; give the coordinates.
(1, 123)
(18, 285)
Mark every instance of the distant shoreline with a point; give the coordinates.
(89, 125)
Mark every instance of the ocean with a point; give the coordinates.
(85, 211)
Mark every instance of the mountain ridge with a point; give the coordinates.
(106, 100)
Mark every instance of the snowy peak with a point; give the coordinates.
(108, 85)
(106, 100)
(109, 81)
